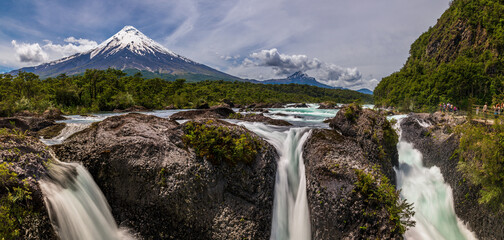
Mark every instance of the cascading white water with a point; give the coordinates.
(69, 129)
(431, 197)
(291, 217)
(76, 205)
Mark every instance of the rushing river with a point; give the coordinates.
(79, 208)
(432, 198)
(76, 205)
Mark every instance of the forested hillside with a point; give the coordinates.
(458, 59)
(106, 90)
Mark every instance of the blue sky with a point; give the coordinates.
(344, 43)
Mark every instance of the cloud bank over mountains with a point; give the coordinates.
(34, 53)
(282, 65)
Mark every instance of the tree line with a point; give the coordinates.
(107, 90)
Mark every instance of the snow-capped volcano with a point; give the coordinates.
(133, 40)
(128, 49)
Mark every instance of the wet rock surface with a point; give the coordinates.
(218, 112)
(373, 133)
(159, 187)
(337, 208)
(261, 118)
(438, 146)
(225, 113)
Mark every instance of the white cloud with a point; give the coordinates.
(283, 65)
(73, 46)
(31, 53)
(35, 53)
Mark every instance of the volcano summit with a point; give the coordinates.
(129, 49)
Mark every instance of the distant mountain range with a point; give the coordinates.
(129, 49)
(302, 78)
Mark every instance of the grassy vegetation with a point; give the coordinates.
(220, 144)
(379, 194)
(460, 58)
(14, 203)
(106, 90)
(481, 160)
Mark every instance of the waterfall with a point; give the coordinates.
(291, 217)
(431, 197)
(66, 132)
(76, 206)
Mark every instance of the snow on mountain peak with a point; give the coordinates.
(135, 41)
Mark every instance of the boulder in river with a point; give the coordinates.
(161, 187)
(349, 193)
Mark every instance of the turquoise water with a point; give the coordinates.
(431, 197)
(424, 187)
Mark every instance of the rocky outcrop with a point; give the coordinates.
(338, 208)
(260, 118)
(328, 105)
(33, 126)
(219, 112)
(374, 134)
(160, 188)
(224, 113)
(136, 108)
(23, 162)
(432, 135)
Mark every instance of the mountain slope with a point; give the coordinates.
(365, 91)
(298, 78)
(127, 49)
(461, 57)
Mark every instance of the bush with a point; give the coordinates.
(481, 160)
(379, 194)
(352, 111)
(220, 144)
(14, 203)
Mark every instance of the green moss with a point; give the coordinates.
(352, 112)
(220, 144)
(379, 194)
(14, 203)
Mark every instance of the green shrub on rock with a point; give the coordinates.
(481, 160)
(380, 195)
(220, 144)
(14, 203)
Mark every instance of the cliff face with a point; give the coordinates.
(164, 190)
(335, 160)
(460, 57)
(438, 147)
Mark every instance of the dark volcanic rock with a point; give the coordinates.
(374, 134)
(160, 188)
(30, 124)
(331, 159)
(264, 119)
(135, 108)
(28, 158)
(328, 105)
(53, 114)
(203, 106)
(51, 131)
(218, 112)
(300, 105)
(438, 146)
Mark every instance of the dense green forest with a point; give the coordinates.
(460, 58)
(106, 90)
(481, 160)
